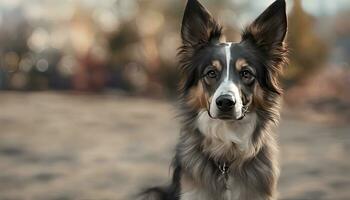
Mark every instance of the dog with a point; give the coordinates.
(230, 100)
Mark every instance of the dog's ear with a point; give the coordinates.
(269, 29)
(267, 34)
(198, 26)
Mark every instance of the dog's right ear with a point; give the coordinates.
(198, 26)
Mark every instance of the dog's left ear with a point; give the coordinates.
(198, 25)
(267, 34)
(269, 29)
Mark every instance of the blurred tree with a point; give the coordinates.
(144, 47)
(13, 39)
(307, 51)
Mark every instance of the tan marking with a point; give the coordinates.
(217, 65)
(197, 97)
(258, 98)
(240, 63)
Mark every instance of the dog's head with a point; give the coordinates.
(229, 79)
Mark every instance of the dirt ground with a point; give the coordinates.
(68, 146)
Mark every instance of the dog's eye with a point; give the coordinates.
(247, 76)
(211, 74)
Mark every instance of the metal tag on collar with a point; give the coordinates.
(223, 168)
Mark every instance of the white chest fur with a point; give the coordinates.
(237, 132)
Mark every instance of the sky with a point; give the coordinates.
(315, 7)
(36, 9)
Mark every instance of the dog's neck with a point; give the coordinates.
(227, 139)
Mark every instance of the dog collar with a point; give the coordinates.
(224, 171)
(223, 168)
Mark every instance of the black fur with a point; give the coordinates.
(170, 192)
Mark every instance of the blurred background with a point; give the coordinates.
(88, 96)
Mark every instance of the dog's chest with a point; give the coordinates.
(220, 136)
(233, 192)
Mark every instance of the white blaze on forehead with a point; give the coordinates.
(228, 59)
(227, 87)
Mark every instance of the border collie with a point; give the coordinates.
(230, 100)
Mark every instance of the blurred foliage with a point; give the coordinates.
(131, 45)
(307, 51)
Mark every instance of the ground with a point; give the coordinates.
(73, 146)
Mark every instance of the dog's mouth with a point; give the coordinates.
(229, 116)
(225, 117)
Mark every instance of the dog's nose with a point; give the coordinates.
(225, 102)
